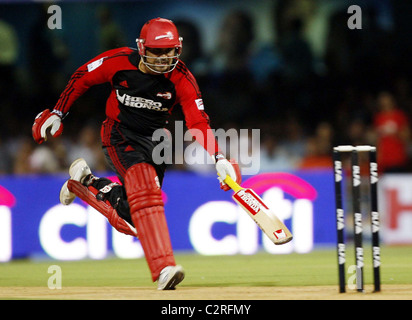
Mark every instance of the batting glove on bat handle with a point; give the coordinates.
(226, 168)
(232, 184)
(43, 121)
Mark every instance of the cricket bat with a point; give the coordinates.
(267, 221)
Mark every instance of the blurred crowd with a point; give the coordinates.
(359, 92)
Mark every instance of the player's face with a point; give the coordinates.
(160, 59)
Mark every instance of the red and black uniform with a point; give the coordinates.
(138, 104)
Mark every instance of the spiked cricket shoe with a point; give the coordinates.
(78, 171)
(170, 277)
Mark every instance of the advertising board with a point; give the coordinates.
(202, 218)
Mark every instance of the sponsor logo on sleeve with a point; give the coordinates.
(199, 104)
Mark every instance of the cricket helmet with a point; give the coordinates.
(159, 33)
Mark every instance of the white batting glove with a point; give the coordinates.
(45, 120)
(224, 168)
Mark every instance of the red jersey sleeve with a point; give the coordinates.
(197, 120)
(97, 71)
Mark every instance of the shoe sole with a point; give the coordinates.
(63, 192)
(177, 277)
(64, 189)
(72, 168)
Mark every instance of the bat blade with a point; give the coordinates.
(268, 222)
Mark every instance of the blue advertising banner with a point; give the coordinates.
(202, 218)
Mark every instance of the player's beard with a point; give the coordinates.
(162, 64)
(158, 65)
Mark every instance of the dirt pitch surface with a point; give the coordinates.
(389, 292)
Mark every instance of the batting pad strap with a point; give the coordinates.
(143, 180)
(147, 212)
(88, 195)
(145, 199)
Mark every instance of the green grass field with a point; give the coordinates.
(318, 268)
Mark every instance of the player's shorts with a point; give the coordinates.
(124, 148)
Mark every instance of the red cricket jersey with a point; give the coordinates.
(141, 102)
(392, 150)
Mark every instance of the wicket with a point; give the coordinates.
(357, 214)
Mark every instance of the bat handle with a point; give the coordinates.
(232, 184)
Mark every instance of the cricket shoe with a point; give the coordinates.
(78, 171)
(170, 277)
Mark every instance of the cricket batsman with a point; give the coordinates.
(147, 83)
